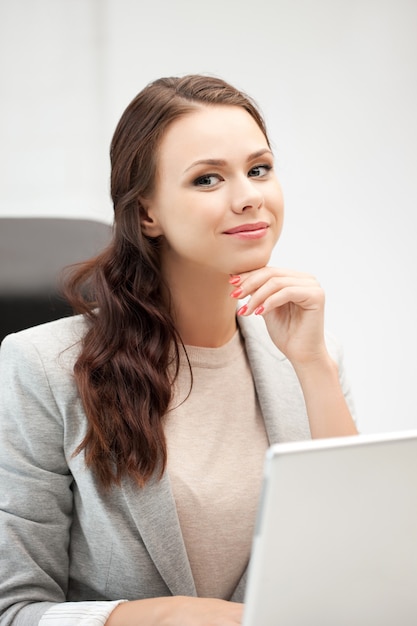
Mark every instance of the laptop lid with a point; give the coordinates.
(335, 542)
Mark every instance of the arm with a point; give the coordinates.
(292, 305)
(327, 410)
(177, 611)
(35, 497)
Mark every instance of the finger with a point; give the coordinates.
(310, 298)
(260, 293)
(244, 286)
(262, 274)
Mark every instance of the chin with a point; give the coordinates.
(250, 265)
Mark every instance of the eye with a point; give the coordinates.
(208, 180)
(260, 170)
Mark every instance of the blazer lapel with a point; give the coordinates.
(279, 392)
(154, 511)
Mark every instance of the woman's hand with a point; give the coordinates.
(292, 305)
(177, 611)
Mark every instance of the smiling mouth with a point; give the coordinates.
(248, 231)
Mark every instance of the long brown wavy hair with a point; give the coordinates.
(130, 353)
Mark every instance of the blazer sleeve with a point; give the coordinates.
(35, 496)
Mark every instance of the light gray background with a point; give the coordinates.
(337, 82)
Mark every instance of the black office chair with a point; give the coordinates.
(33, 252)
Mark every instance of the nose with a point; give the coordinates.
(246, 195)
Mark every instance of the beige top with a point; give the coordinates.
(216, 447)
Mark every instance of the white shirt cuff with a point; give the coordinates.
(78, 613)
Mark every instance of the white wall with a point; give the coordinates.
(336, 80)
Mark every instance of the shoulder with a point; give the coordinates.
(39, 391)
(54, 345)
(57, 334)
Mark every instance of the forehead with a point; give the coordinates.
(211, 131)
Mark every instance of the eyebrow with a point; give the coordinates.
(222, 162)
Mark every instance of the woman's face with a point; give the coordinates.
(217, 202)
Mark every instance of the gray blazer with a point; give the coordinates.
(63, 539)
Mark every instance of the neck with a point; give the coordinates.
(203, 311)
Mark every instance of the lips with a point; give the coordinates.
(246, 228)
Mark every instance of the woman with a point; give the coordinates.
(133, 435)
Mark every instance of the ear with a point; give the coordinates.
(148, 221)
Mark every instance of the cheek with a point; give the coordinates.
(275, 201)
(203, 212)
(185, 226)
(277, 196)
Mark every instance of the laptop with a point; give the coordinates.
(335, 542)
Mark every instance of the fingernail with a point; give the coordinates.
(242, 310)
(259, 310)
(236, 293)
(234, 280)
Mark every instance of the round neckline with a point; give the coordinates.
(199, 356)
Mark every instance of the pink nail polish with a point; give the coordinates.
(259, 310)
(242, 310)
(236, 293)
(234, 280)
